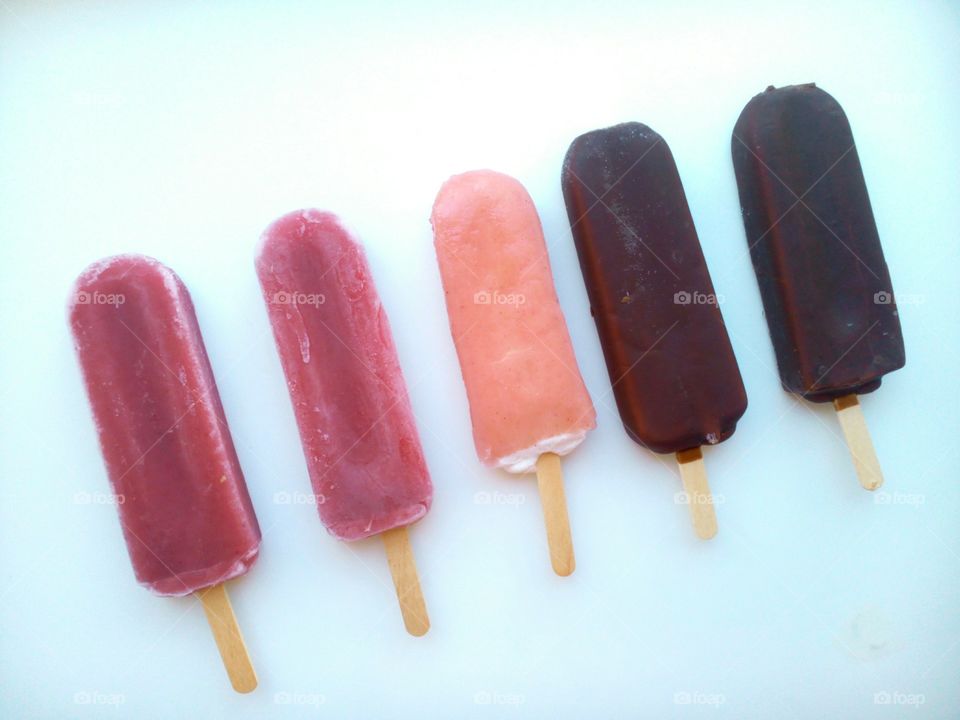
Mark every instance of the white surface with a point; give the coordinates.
(182, 132)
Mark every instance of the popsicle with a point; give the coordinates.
(356, 423)
(673, 371)
(184, 507)
(528, 402)
(816, 252)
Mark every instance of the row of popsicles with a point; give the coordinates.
(187, 517)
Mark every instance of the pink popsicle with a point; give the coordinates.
(528, 402)
(356, 424)
(184, 507)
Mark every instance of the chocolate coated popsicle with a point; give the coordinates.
(816, 252)
(674, 374)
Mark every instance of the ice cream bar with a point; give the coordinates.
(813, 240)
(673, 371)
(356, 423)
(184, 507)
(528, 402)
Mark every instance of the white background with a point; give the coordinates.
(181, 132)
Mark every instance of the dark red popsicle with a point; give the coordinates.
(184, 507)
(359, 435)
(183, 502)
(357, 428)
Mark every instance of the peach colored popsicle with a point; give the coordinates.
(524, 387)
(528, 402)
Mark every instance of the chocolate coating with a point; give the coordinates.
(814, 244)
(674, 374)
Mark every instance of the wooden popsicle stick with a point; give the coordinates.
(693, 473)
(554, 501)
(855, 430)
(403, 568)
(223, 624)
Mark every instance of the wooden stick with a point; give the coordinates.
(223, 624)
(554, 501)
(403, 568)
(858, 440)
(693, 473)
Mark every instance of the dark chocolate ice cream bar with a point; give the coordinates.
(813, 240)
(674, 374)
